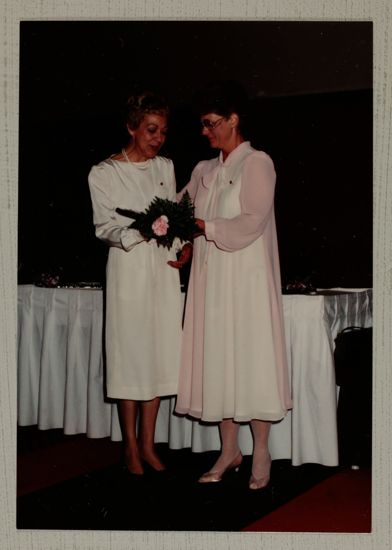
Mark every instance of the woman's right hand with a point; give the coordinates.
(145, 238)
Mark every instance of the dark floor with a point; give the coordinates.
(71, 482)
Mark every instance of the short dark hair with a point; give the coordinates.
(224, 98)
(142, 103)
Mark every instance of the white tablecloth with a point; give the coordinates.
(61, 374)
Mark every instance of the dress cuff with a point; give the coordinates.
(130, 238)
(209, 230)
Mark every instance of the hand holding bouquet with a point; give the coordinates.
(165, 220)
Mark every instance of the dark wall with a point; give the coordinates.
(322, 148)
(312, 112)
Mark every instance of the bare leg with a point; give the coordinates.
(230, 456)
(128, 413)
(149, 412)
(229, 435)
(261, 463)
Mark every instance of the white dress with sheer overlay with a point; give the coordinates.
(233, 354)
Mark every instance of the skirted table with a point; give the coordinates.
(61, 376)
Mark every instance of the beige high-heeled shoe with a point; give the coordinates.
(261, 482)
(215, 476)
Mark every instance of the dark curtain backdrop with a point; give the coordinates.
(311, 90)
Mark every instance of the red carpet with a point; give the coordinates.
(74, 482)
(52, 462)
(340, 504)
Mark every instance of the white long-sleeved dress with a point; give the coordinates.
(233, 361)
(143, 296)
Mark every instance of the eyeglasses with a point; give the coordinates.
(211, 124)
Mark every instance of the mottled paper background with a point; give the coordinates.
(377, 11)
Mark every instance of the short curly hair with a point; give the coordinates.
(224, 98)
(140, 104)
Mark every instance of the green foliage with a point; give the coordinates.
(180, 215)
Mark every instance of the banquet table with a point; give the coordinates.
(61, 375)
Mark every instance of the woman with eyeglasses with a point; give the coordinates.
(143, 296)
(233, 365)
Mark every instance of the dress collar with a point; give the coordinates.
(235, 154)
(241, 151)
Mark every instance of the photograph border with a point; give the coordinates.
(376, 11)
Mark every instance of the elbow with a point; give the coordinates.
(103, 235)
(100, 233)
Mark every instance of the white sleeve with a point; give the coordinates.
(107, 226)
(257, 204)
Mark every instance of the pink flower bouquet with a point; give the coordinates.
(160, 226)
(165, 220)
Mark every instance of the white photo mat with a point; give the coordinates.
(377, 11)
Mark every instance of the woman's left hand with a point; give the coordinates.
(185, 256)
(202, 227)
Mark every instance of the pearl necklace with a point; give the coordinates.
(125, 156)
(143, 165)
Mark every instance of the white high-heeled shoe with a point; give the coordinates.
(214, 476)
(261, 482)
